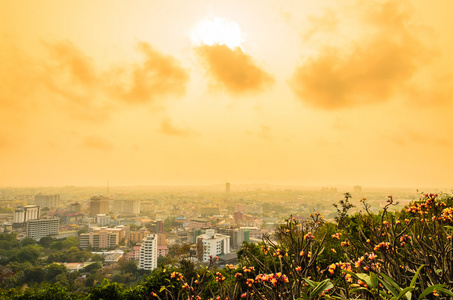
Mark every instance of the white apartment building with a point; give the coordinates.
(213, 244)
(37, 229)
(24, 213)
(103, 219)
(148, 253)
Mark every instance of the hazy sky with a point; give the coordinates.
(200, 92)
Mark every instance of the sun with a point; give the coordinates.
(212, 31)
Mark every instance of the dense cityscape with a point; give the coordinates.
(192, 222)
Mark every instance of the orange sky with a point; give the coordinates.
(201, 92)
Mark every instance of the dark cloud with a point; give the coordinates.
(373, 70)
(157, 76)
(168, 128)
(234, 70)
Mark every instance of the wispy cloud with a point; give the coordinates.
(158, 76)
(168, 128)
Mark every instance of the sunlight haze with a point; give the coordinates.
(204, 92)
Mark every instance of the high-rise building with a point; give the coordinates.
(74, 207)
(227, 187)
(50, 201)
(37, 229)
(126, 206)
(159, 226)
(148, 253)
(24, 213)
(238, 216)
(99, 205)
(357, 190)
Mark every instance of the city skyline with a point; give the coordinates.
(298, 93)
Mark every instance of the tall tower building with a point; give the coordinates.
(50, 201)
(148, 253)
(99, 205)
(227, 187)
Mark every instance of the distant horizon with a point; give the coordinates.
(232, 184)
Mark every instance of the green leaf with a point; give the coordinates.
(358, 289)
(384, 294)
(414, 279)
(404, 292)
(389, 287)
(322, 286)
(365, 278)
(445, 291)
(396, 287)
(429, 290)
(311, 283)
(162, 288)
(373, 280)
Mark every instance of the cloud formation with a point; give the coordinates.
(233, 69)
(168, 128)
(71, 61)
(374, 68)
(158, 76)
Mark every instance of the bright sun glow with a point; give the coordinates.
(216, 30)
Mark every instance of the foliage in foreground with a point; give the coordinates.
(403, 255)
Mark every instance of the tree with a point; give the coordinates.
(57, 245)
(28, 253)
(342, 210)
(34, 274)
(107, 290)
(162, 261)
(46, 241)
(92, 268)
(27, 241)
(53, 271)
(97, 257)
(70, 242)
(129, 267)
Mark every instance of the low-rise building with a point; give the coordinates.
(103, 237)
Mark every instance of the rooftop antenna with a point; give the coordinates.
(108, 188)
